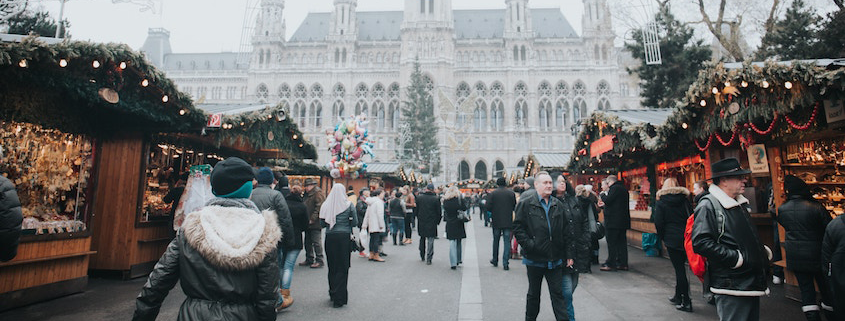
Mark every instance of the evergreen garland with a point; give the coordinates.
(255, 127)
(35, 88)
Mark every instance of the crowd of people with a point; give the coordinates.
(235, 257)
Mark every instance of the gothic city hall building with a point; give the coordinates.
(506, 82)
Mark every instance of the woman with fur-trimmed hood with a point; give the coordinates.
(224, 256)
(670, 218)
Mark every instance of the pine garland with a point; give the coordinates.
(255, 127)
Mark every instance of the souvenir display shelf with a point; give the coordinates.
(51, 171)
(167, 162)
(821, 164)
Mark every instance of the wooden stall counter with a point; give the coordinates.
(46, 267)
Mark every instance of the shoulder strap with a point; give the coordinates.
(720, 214)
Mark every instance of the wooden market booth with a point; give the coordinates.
(72, 116)
(778, 118)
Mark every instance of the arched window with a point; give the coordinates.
(262, 93)
(299, 91)
(317, 91)
(300, 113)
(429, 83)
(515, 53)
(481, 170)
(521, 90)
(378, 111)
(497, 115)
(545, 89)
(521, 110)
(603, 88)
(462, 90)
(339, 91)
(545, 114)
(522, 53)
(562, 89)
(378, 90)
(498, 169)
(317, 108)
(395, 114)
(463, 170)
(604, 104)
(361, 91)
(561, 114)
(497, 89)
(284, 91)
(337, 110)
(393, 90)
(579, 109)
(479, 119)
(361, 108)
(481, 89)
(579, 89)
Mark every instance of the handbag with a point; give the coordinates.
(463, 216)
(596, 228)
(354, 242)
(600, 232)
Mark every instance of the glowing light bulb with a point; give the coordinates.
(684, 125)
(182, 112)
(295, 136)
(765, 84)
(165, 99)
(122, 65)
(703, 103)
(744, 84)
(715, 90)
(22, 63)
(145, 83)
(727, 84)
(63, 63)
(788, 85)
(95, 64)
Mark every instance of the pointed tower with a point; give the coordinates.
(269, 37)
(598, 31)
(518, 34)
(343, 33)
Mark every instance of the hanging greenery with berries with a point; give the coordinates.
(90, 88)
(741, 104)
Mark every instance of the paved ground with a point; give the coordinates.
(404, 288)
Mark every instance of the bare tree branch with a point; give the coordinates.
(11, 8)
(770, 21)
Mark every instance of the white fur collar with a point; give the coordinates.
(232, 238)
(672, 190)
(726, 201)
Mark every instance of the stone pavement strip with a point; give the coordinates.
(404, 288)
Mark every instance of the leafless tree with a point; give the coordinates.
(11, 8)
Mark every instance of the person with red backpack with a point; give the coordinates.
(724, 234)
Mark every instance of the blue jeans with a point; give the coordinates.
(397, 227)
(287, 260)
(505, 233)
(455, 252)
(570, 282)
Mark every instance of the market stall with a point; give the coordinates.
(777, 118)
(72, 116)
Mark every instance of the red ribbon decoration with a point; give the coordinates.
(721, 141)
(706, 147)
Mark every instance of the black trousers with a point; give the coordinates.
(338, 250)
(409, 219)
(617, 247)
(554, 280)
(808, 289)
(679, 260)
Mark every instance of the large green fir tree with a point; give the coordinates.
(793, 37)
(682, 57)
(421, 149)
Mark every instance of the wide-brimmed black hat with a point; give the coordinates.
(727, 167)
(309, 181)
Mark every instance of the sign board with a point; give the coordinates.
(757, 159)
(215, 121)
(601, 146)
(473, 186)
(834, 110)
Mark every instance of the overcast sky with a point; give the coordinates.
(215, 25)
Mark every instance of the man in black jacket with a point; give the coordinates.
(501, 204)
(429, 216)
(11, 218)
(833, 262)
(805, 220)
(617, 221)
(723, 233)
(541, 228)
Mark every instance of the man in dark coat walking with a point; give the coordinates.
(617, 221)
(501, 204)
(542, 229)
(724, 234)
(833, 262)
(314, 198)
(11, 218)
(805, 220)
(430, 212)
(267, 198)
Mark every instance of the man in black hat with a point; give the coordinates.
(314, 198)
(501, 203)
(723, 233)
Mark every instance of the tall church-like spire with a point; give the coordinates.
(344, 23)
(430, 12)
(597, 29)
(517, 19)
(269, 36)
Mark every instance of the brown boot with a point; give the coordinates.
(377, 258)
(287, 300)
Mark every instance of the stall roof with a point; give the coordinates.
(552, 160)
(382, 168)
(230, 109)
(817, 62)
(655, 117)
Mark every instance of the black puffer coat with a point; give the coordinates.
(222, 279)
(617, 213)
(581, 239)
(454, 227)
(723, 241)
(670, 216)
(429, 214)
(267, 198)
(804, 221)
(299, 217)
(531, 230)
(833, 262)
(10, 220)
